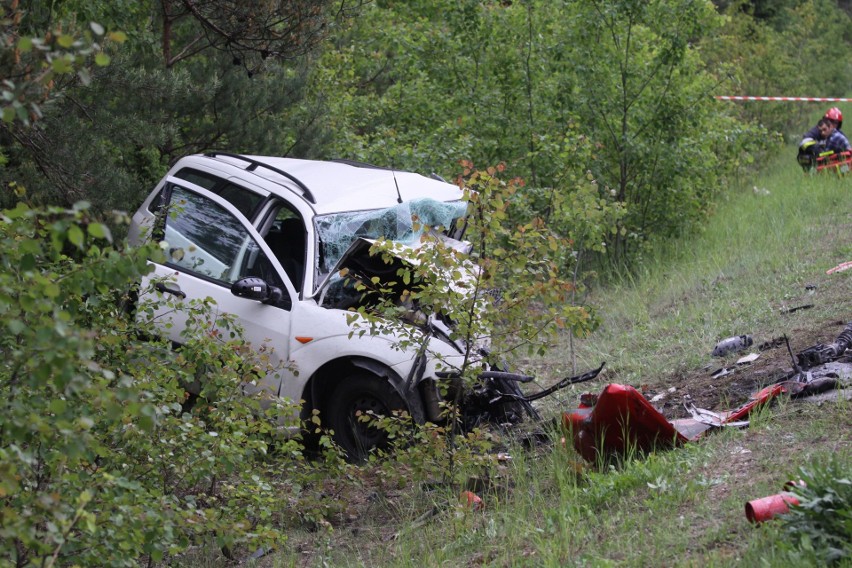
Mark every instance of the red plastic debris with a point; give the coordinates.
(840, 267)
(622, 420)
(757, 400)
(473, 500)
(766, 508)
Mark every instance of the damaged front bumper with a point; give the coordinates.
(496, 398)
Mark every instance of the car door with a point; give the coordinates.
(209, 245)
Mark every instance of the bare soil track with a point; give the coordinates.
(725, 385)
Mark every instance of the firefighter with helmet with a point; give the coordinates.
(815, 141)
(832, 114)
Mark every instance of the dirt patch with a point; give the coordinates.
(723, 384)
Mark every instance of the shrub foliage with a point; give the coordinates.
(103, 461)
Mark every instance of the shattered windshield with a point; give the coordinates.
(339, 230)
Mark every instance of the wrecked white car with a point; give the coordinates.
(265, 238)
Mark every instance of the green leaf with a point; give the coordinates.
(27, 302)
(90, 524)
(16, 326)
(99, 231)
(25, 44)
(102, 59)
(65, 40)
(75, 236)
(61, 65)
(51, 290)
(85, 497)
(118, 37)
(21, 113)
(27, 263)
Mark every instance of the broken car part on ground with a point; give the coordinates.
(771, 506)
(620, 420)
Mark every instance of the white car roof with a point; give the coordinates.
(334, 187)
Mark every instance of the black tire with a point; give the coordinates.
(361, 392)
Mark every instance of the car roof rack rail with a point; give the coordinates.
(357, 164)
(254, 164)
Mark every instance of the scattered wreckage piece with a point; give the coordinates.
(485, 402)
(825, 367)
(473, 501)
(797, 308)
(772, 343)
(732, 344)
(747, 359)
(622, 420)
(820, 354)
(767, 508)
(840, 267)
(741, 362)
(719, 373)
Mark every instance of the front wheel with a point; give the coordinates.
(356, 395)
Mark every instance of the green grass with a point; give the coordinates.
(753, 259)
(683, 507)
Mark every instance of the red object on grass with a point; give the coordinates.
(474, 501)
(766, 508)
(756, 400)
(840, 267)
(622, 420)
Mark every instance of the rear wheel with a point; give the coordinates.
(358, 394)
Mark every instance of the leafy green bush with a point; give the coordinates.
(102, 461)
(823, 519)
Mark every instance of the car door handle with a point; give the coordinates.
(161, 287)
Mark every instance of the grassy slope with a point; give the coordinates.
(682, 507)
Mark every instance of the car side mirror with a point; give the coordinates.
(255, 288)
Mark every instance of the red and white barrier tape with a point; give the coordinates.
(806, 99)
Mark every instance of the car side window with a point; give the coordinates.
(286, 239)
(206, 240)
(244, 200)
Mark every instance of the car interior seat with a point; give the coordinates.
(287, 242)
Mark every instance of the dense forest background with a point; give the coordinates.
(604, 108)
